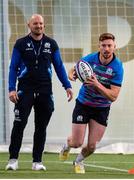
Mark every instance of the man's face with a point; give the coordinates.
(36, 25)
(107, 48)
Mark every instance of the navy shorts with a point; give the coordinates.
(83, 113)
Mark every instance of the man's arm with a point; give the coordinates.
(60, 70)
(62, 75)
(111, 94)
(13, 69)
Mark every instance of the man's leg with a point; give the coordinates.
(73, 141)
(96, 132)
(43, 107)
(22, 110)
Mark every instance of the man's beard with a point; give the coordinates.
(37, 33)
(107, 55)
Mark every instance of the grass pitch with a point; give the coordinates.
(98, 166)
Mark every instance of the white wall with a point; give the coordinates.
(121, 126)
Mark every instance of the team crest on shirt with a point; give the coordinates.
(109, 71)
(47, 48)
(47, 45)
(28, 44)
(29, 48)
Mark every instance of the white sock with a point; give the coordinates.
(79, 158)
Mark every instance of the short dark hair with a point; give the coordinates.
(105, 36)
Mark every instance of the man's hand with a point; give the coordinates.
(72, 74)
(69, 94)
(13, 96)
(92, 81)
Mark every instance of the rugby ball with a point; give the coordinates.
(83, 70)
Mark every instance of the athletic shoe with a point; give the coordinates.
(64, 154)
(131, 171)
(37, 166)
(79, 167)
(12, 164)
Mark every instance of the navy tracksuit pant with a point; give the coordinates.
(43, 107)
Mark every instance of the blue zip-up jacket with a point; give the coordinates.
(31, 65)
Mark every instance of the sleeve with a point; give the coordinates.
(118, 75)
(60, 69)
(13, 69)
(90, 59)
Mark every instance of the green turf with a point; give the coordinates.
(103, 164)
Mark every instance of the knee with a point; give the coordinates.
(74, 144)
(77, 145)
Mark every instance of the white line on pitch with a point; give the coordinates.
(102, 167)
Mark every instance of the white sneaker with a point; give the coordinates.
(37, 166)
(12, 164)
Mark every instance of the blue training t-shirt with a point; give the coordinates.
(110, 74)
